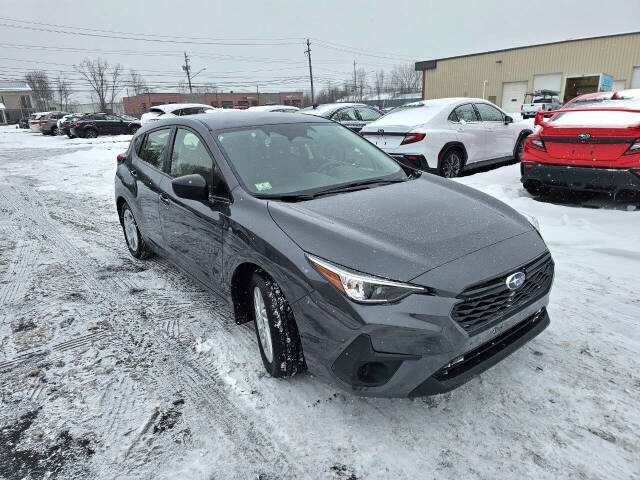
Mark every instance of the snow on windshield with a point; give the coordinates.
(598, 117)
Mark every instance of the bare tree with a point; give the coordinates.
(405, 79)
(138, 83)
(379, 85)
(104, 79)
(38, 81)
(63, 91)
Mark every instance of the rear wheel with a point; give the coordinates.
(536, 188)
(520, 147)
(451, 164)
(276, 330)
(54, 131)
(91, 133)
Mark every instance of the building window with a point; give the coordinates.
(243, 103)
(214, 104)
(297, 103)
(227, 104)
(143, 107)
(287, 102)
(254, 103)
(25, 101)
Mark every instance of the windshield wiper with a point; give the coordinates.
(353, 186)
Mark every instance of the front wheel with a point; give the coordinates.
(135, 242)
(276, 330)
(450, 164)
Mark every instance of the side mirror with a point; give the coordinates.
(508, 120)
(192, 187)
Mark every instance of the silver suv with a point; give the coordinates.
(49, 123)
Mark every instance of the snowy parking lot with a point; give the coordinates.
(116, 368)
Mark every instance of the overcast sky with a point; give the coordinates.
(249, 44)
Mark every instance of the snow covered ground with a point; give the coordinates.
(115, 368)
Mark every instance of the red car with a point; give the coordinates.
(591, 144)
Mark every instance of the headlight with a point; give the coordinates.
(363, 288)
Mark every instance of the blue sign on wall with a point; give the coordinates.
(606, 83)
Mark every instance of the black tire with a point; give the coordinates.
(451, 163)
(519, 148)
(54, 131)
(287, 358)
(137, 246)
(70, 136)
(91, 133)
(535, 189)
(133, 129)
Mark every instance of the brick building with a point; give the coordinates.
(139, 104)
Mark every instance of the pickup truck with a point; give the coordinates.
(544, 101)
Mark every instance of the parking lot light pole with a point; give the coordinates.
(308, 52)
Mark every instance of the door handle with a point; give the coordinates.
(133, 172)
(165, 198)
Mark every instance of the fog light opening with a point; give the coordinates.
(373, 373)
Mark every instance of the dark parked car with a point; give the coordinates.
(23, 123)
(324, 241)
(49, 123)
(351, 115)
(93, 124)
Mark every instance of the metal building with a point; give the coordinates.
(570, 67)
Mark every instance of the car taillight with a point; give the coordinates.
(79, 123)
(44, 121)
(543, 106)
(412, 138)
(121, 158)
(537, 142)
(634, 148)
(521, 107)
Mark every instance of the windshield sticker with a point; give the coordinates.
(263, 186)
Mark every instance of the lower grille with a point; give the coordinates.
(489, 349)
(488, 303)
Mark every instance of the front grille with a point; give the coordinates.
(488, 303)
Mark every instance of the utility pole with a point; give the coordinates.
(308, 52)
(187, 68)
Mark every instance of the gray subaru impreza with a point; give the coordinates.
(383, 280)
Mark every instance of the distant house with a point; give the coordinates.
(17, 100)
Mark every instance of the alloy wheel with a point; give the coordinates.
(130, 230)
(451, 165)
(262, 324)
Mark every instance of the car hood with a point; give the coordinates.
(398, 231)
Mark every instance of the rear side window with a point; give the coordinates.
(453, 117)
(345, 115)
(152, 150)
(466, 113)
(488, 113)
(368, 114)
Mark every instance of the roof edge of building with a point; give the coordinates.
(431, 64)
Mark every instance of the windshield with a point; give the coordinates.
(604, 103)
(304, 158)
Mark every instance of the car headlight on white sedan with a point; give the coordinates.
(364, 288)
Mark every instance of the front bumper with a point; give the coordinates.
(588, 179)
(400, 349)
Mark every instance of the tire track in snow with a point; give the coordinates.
(195, 383)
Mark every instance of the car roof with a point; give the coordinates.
(227, 118)
(268, 108)
(329, 108)
(170, 107)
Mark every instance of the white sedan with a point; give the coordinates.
(273, 108)
(160, 112)
(448, 135)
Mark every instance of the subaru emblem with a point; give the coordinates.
(584, 137)
(515, 280)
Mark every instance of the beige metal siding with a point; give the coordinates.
(463, 76)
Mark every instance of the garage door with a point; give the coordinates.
(635, 78)
(618, 85)
(513, 96)
(548, 81)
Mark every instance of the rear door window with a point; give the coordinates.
(345, 115)
(152, 150)
(368, 114)
(466, 113)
